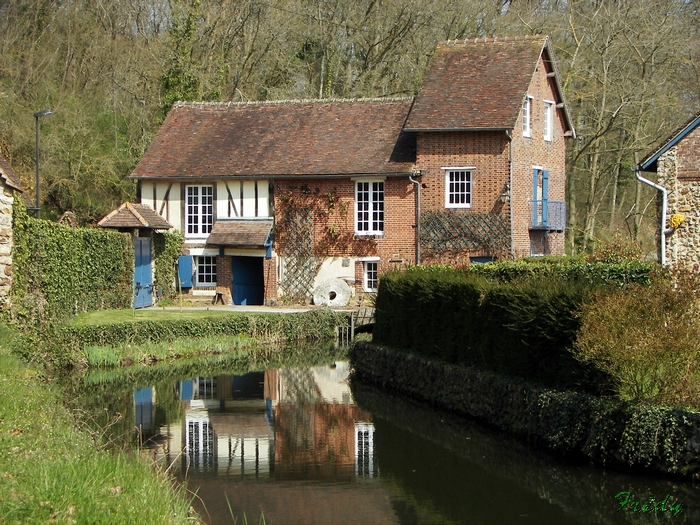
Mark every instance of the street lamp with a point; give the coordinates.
(37, 115)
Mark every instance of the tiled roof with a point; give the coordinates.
(243, 233)
(130, 216)
(476, 84)
(8, 175)
(302, 138)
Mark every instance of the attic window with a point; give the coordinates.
(527, 117)
(548, 120)
(200, 211)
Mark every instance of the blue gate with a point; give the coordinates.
(143, 276)
(248, 285)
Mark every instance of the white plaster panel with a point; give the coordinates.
(249, 198)
(263, 198)
(332, 268)
(147, 193)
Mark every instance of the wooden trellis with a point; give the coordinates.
(458, 231)
(301, 266)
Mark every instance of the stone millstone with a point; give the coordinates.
(332, 292)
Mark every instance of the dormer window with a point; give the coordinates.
(527, 117)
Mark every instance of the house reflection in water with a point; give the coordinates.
(292, 424)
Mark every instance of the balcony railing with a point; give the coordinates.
(548, 215)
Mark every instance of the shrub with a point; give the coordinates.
(646, 339)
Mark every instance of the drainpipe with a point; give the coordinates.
(510, 202)
(417, 183)
(663, 231)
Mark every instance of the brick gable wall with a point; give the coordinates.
(535, 151)
(6, 202)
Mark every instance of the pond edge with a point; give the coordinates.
(609, 432)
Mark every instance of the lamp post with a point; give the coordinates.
(37, 115)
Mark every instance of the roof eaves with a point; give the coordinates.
(675, 139)
(438, 130)
(560, 90)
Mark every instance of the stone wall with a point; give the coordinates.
(683, 244)
(6, 201)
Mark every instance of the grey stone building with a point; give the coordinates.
(9, 190)
(676, 165)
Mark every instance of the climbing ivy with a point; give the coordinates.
(59, 271)
(167, 246)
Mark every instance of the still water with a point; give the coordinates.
(299, 443)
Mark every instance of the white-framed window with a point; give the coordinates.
(527, 117)
(371, 276)
(205, 270)
(548, 120)
(200, 210)
(458, 187)
(369, 207)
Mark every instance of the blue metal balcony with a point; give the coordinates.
(548, 215)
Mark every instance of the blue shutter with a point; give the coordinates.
(184, 266)
(545, 198)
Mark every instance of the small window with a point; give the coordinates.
(527, 117)
(206, 271)
(371, 277)
(548, 120)
(369, 208)
(458, 188)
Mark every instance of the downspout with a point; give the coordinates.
(663, 231)
(417, 183)
(510, 202)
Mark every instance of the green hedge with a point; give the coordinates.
(63, 345)
(516, 318)
(59, 271)
(167, 246)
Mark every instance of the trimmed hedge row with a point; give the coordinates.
(519, 328)
(63, 345)
(59, 271)
(661, 439)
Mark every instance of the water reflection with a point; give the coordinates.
(301, 445)
(298, 423)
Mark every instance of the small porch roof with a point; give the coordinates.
(241, 233)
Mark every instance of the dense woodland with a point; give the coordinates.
(111, 69)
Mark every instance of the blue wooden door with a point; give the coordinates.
(248, 286)
(143, 277)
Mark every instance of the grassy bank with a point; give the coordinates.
(51, 473)
(120, 338)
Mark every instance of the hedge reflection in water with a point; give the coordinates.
(305, 459)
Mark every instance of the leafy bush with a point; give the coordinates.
(646, 339)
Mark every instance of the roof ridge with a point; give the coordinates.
(492, 40)
(292, 101)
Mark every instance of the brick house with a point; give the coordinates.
(277, 199)
(9, 189)
(676, 164)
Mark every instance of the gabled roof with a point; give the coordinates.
(281, 139)
(481, 84)
(131, 216)
(7, 175)
(650, 162)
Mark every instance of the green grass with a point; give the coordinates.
(52, 473)
(102, 317)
